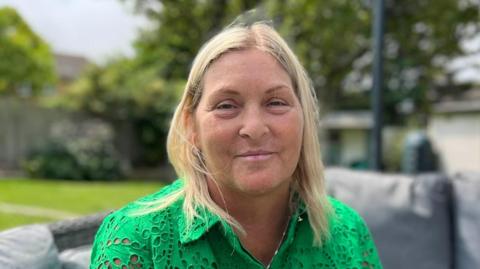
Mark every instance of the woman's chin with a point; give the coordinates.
(259, 186)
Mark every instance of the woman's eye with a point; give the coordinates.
(225, 106)
(277, 103)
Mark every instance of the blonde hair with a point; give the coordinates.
(187, 160)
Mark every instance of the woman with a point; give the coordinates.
(251, 195)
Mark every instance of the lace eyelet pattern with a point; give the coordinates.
(160, 240)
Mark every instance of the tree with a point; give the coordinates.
(127, 96)
(144, 91)
(333, 40)
(178, 30)
(26, 60)
(328, 36)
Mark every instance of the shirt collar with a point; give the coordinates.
(205, 220)
(201, 224)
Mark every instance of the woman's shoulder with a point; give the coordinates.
(142, 211)
(345, 217)
(349, 232)
(161, 193)
(342, 210)
(133, 207)
(125, 233)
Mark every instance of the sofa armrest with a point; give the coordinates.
(466, 202)
(28, 247)
(76, 232)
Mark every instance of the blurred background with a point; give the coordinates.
(88, 87)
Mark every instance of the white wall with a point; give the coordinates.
(456, 137)
(354, 146)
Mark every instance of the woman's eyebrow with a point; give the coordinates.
(281, 87)
(222, 92)
(226, 91)
(230, 91)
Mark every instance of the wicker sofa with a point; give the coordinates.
(426, 221)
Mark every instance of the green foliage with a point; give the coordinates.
(121, 91)
(146, 89)
(178, 30)
(26, 60)
(327, 36)
(78, 152)
(422, 37)
(333, 40)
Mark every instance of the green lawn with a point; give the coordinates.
(11, 220)
(78, 198)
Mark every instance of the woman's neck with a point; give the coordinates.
(263, 217)
(252, 209)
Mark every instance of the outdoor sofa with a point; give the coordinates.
(428, 221)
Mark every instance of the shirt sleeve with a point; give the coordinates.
(352, 237)
(366, 246)
(119, 244)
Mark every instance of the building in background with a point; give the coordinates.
(68, 68)
(455, 132)
(345, 138)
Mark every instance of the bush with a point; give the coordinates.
(80, 152)
(120, 92)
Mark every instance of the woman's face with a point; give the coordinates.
(248, 123)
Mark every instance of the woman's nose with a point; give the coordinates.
(253, 125)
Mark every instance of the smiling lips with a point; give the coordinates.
(259, 155)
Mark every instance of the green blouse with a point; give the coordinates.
(160, 240)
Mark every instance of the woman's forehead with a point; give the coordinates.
(245, 66)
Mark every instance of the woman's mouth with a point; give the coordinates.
(255, 155)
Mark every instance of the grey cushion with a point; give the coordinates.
(408, 216)
(466, 189)
(28, 247)
(76, 258)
